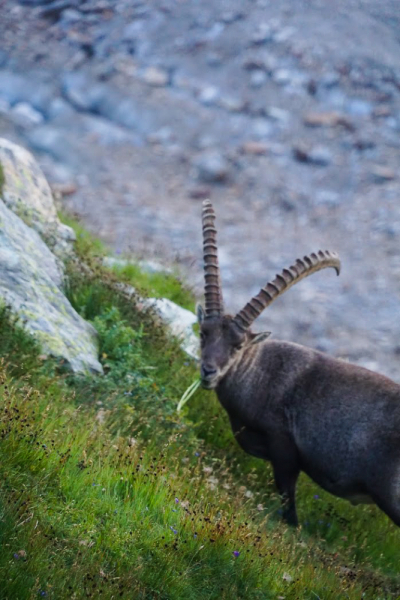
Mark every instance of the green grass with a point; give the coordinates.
(106, 492)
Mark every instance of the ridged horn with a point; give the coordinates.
(273, 289)
(212, 283)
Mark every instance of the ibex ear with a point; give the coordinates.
(200, 313)
(260, 337)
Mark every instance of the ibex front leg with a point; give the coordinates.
(286, 471)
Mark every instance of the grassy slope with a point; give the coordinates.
(106, 492)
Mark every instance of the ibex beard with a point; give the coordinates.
(298, 408)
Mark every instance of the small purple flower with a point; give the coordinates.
(197, 453)
(16, 555)
(42, 593)
(195, 535)
(172, 529)
(236, 553)
(316, 497)
(176, 500)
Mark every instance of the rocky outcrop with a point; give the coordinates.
(27, 193)
(31, 278)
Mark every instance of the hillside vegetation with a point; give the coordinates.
(107, 492)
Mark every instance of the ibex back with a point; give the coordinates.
(298, 408)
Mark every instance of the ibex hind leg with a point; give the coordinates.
(286, 471)
(387, 497)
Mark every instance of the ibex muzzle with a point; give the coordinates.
(298, 408)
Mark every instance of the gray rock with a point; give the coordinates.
(263, 34)
(25, 115)
(60, 109)
(315, 155)
(212, 167)
(156, 76)
(359, 108)
(27, 193)
(257, 78)
(102, 99)
(107, 133)
(31, 283)
(382, 174)
(53, 141)
(16, 88)
(53, 10)
(231, 103)
(209, 95)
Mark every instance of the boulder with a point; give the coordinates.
(31, 276)
(26, 192)
(31, 283)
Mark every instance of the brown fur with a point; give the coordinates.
(306, 411)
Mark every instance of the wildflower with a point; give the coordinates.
(207, 470)
(176, 500)
(42, 593)
(175, 531)
(16, 555)
(316, 497)
(195, 535)
(197, 453)
(236, 553)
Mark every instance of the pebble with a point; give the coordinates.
(277, 114)
(199, 192)
(327, 119)
(257, 78)
(381, 173)
(156, 76)
(262, 35)
(315, 155)
(25, 115)
(232, 103)
(209, 95)
(212, 167)
(254, 148)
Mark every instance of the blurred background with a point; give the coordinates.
(285, 114)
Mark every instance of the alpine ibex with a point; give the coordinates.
(298, 408)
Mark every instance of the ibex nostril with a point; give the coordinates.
(208, 371)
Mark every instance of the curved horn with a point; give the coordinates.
(273, 289)
(212, 286)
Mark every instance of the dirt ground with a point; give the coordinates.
(286, 114)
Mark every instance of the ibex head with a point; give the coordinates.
(223, 337)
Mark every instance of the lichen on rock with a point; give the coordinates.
(27, 193)
(31, 276)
